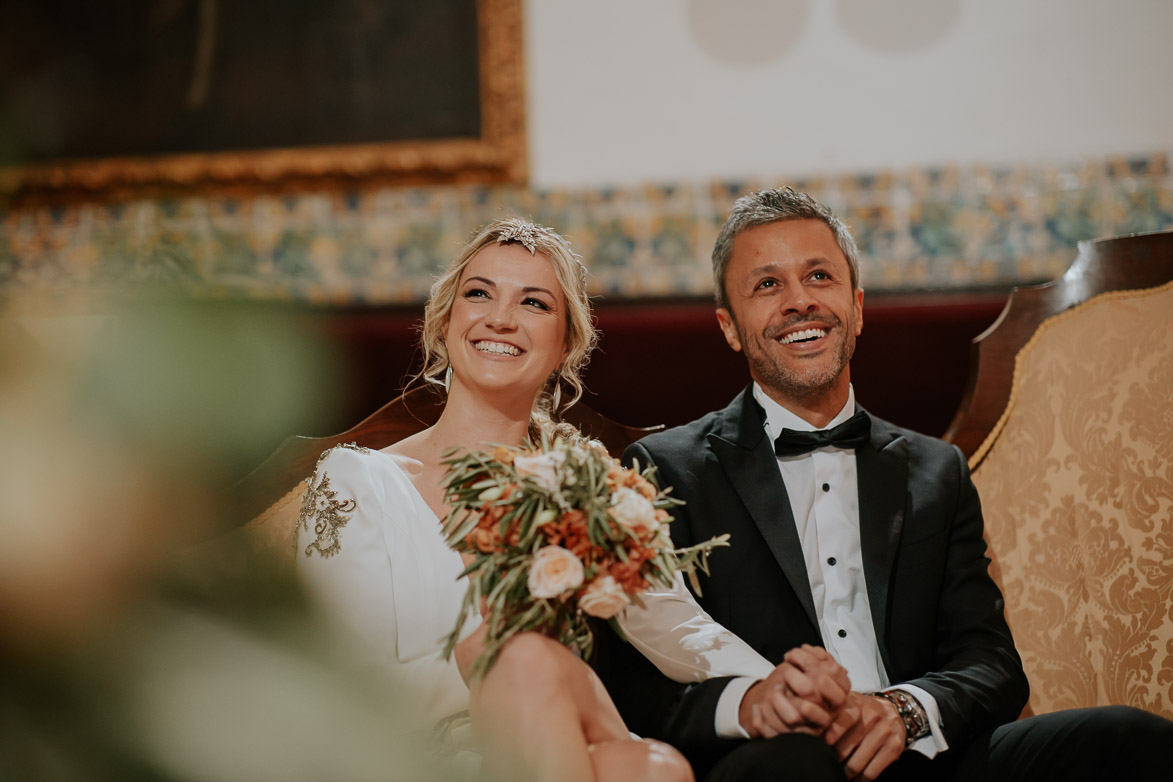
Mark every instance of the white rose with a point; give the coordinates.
(553, 571)
(543, 468)
(632, 510)
(603, 598)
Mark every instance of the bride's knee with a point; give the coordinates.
(666, 763)
(529, 660)
(645, 759)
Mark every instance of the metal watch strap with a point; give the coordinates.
(916, 720)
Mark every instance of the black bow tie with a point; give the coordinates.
(852, 433)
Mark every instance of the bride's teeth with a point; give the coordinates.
(804, 334)
(497, 347)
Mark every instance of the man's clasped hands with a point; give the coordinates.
(809, 692)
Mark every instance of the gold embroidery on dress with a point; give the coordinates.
(329, 514)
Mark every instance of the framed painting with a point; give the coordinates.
(106, 99)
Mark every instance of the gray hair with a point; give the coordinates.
(772, 206)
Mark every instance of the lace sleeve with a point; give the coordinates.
(343, 549)
(323, 511)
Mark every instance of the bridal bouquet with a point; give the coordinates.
(558, 532)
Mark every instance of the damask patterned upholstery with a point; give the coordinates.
(1076, 482)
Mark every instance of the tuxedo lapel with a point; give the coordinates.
(882, 471)
(747, 456)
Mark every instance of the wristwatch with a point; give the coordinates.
(916, 720)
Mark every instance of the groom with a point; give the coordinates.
(848, 534)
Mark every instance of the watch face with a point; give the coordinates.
(916, 721)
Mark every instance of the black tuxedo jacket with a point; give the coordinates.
(937, 613)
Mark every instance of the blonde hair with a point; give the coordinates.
(581, 335)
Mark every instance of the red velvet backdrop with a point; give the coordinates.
(666, 362)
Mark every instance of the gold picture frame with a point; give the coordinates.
(498, 155)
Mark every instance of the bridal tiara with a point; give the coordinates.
(527, 234)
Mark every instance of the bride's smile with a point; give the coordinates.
(500, 348)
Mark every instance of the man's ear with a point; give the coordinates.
(728, 328)
(858, 304)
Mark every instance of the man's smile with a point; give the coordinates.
(803, 335)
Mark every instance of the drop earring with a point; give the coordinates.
(448, 379)
(557, 397)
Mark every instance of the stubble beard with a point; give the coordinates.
(804, 383)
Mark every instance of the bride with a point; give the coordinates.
(506, 329)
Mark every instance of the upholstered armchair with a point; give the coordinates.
(1068, 426)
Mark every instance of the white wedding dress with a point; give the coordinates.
(371, 554)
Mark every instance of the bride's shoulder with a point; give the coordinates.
(347, 457)
(350, 480)
(379, 473)
(384, 465)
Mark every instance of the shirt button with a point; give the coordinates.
(826, 487)
(842, 633)
(831, 561)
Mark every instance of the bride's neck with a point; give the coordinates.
(470, 420)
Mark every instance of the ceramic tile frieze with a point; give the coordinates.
(930, 228)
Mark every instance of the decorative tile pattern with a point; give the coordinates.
(927, 228)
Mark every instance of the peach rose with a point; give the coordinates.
(604, 598)
(632, 510)
(542, 468)
(554, 571)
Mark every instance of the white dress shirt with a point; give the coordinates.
(824, 497)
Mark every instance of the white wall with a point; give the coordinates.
(623, 92)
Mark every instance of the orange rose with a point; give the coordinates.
(644, 487)
(513, 534)
(493, 514)
(616, 477)
(628, 576)
(484, 539)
